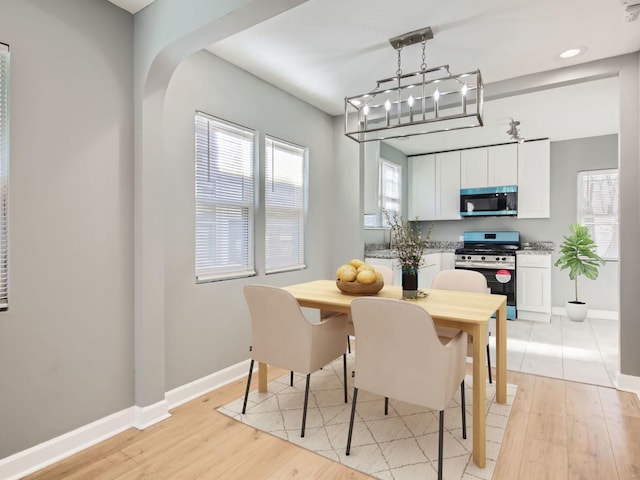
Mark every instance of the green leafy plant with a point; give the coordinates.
(578, 254)
(407, 241)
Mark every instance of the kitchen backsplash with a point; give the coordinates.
(452, 245)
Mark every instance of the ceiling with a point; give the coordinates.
(324, 50)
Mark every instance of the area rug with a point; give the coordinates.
(400, 445)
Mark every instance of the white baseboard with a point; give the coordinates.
(189, 391)
(39, 456)
(144, 417)
(35, 458)
(628, 383)
(600, 314)
(534, 316)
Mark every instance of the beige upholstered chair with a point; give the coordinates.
(283, 337)
(463, 281)
(387, 275)
(401, 357)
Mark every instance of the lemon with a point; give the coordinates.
(344, 267)
(366, 277)
(347, 274)
(356, 263)
(366, 266)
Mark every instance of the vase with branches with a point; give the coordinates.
(409, 245)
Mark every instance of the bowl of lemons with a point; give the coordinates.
(358, 278)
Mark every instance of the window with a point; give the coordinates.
(391, 187)
(225, 196)
(4, 176)
(598, 209)
(284, 205)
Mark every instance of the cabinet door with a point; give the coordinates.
(430, 267)
(473, 168)
(534, 179)
(448, 186)
(502, 165)
(372, 178)
(422, 191)
(533, 289)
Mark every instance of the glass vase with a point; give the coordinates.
(409, 283)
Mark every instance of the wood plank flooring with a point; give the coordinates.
(557, 430)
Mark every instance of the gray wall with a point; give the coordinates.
(66, 343)
(207, 325)
(567, 158)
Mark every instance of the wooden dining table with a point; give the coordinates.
(465, 311)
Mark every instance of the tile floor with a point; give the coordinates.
(585, 352)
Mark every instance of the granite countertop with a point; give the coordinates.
(536, 248)
(435, 247)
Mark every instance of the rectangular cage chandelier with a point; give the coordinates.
(429, 100)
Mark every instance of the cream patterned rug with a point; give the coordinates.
(401, 445)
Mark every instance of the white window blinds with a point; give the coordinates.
(225, 195)
(4, 176)
(598, 209)
(391, 187)
(285, 193)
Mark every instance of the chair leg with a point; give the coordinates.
(353, 415)
(344, 367)
(386, 405)
(246, 393)
(464, 412)
(489, 363)
(440, 441)
(348, 344)
(291, 380)
(306, 401)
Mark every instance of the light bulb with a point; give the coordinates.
(436, 95)
(465, 89)
(410, 100)
(387, 105)
(366, 109)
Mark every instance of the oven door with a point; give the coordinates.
(501, 281)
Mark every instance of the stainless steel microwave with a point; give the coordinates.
(489, 201)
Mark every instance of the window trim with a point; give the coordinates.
(305, 207)
(381, 196)
(240, 273)
(579, 204)
(5, 81)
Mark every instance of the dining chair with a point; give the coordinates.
(400, 356)
(283, 337)
(387, 276)
(463, 281)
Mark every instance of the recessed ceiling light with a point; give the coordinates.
(572, 52)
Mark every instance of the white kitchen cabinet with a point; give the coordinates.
(533, 279)
(502, 165)
(489, 166)
(473, 168)
(447, 261)
(534, 179)
(434, 186)
(430, 267)
(392, 263)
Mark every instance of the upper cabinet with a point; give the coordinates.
(534, 179)
(489, 166)
(434, 187)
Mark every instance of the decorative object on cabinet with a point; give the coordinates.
(514, 131)
(409, 245)
(578, 254)
(426, 101)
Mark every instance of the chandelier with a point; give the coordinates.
(429, 100)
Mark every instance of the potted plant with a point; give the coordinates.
(578, 254)
(409, 245)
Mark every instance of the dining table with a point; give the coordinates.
(465, 311)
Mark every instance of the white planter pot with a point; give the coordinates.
(576, 312)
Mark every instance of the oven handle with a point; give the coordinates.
(484, 266)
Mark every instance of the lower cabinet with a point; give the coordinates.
(430, 267)
(432, 263)
(533, 298)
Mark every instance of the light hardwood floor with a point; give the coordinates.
(557, 430)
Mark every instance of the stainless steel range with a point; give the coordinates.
(494, 255)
